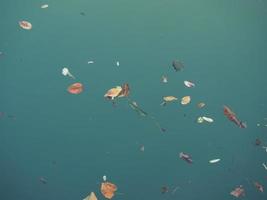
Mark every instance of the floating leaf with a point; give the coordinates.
(75, 88)
(108, 189)
(186, 157)
(239, 191)
(113, 92)
(189, 84)
(25, 25)
(169, 98)
(214, 160)
(185, 100)
(125, 90)
(259, 186)
(66, 72)
(44, 6)
(201, 105)
(207, 119)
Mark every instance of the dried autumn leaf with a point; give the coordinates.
(185, 100)
(75, 88)
(237, 192)
(113, 92)
(169, 98)
(259, 186)
(108, 189)
(25, 25)
(125, 90)
(201, 105)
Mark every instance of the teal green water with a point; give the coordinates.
(73, 140)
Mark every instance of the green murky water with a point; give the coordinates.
(73, 140)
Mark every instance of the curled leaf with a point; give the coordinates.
(125, 90)
(75, 88)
